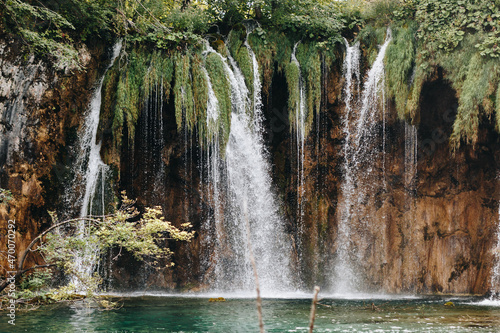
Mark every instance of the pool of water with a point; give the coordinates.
(197, 314)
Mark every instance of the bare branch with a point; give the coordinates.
(313, 309)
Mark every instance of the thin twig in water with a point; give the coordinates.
(313, 309)
(252, 260)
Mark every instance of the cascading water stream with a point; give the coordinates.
(360, 158)
(211, 164)
(300, 134)
(257, 85)
(248, 194)
(352, 76)
(90, 169)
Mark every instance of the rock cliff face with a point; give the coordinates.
(432, 231)
(40, 111)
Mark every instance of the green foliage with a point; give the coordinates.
(399, 67)
(459, 36)
(405, 11)
(20, 10)
(229, 12)
(308, 56)
(160, 73)
(49, 38)
(381, 12)
(292, 74)
(307, 18)
(193, 19)
(412, 108)
(128, 84)
(352, 14)
(473, 96)
(241, 55)
(65, 54)
(36, 280)
(371, 38)
(308, 74)
(5, 196)
(129, 95)
(200, 95)
(222, 90)
(144, 236)
(183, 91)
(490, 45)
(91, 19)
(50, 29)
(271, 48)
(139, 73)
(444, 23)
(259, 42)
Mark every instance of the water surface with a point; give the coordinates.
(197, 314)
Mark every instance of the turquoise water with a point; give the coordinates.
(192, 314)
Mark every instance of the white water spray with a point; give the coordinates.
(359, 157)
(300, 136)
(90, 165)
(352, 76)
(249, 195)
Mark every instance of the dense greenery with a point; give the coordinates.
(460, 36)
(177, 50)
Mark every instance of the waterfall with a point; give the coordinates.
(247, 191)
(352, 76)
(410, 184)
(151, 141)
(360, 159)
(211, 163)
(257, 85)
(91, 172)
(300, 133)
(89, 162)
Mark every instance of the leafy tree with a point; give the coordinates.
(51, 28)
(144, 236)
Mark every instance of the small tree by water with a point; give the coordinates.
(142, 235)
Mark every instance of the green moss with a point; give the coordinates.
(309, 59)
(129, 95)
(399, 67)
(292, 74)
(127, 86)
(222, 90)
(409, 64)
(160, 72)
(264, 54)
(371, 37)
(183, 91)
(200, 94)
(108, 99)
(412, 107)
(473, 98)
(474, 77)
(283, 47)
(242, 57)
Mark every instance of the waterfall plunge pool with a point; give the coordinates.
(194, 313)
